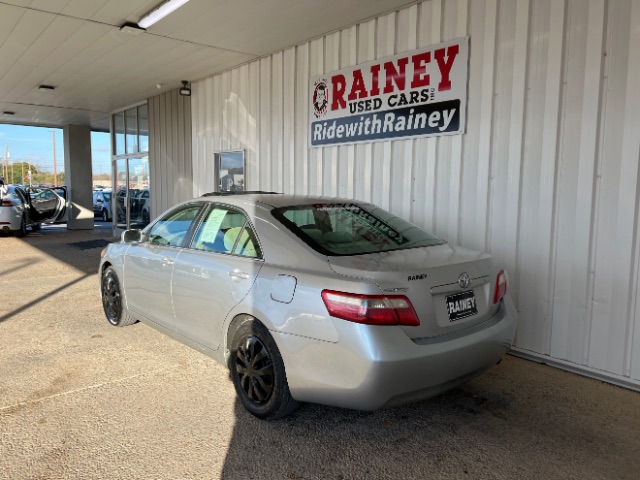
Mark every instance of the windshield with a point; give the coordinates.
(352, 229)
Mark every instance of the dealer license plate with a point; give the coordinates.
(461, 305)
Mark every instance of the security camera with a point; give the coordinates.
(185, 90)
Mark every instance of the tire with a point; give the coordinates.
(258, 373)
(112, 299)
(145, 217)
(23, 228)
(105, 215)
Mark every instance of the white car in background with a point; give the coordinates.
(21, 209)
(310, 299)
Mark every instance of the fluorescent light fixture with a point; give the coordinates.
(160, 12)
(131, 29)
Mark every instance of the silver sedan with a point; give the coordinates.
(306, 299)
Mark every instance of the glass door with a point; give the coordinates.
(132, 193)
(120, 196)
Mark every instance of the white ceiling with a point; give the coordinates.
(76, 46)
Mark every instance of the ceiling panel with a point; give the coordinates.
(76, 46)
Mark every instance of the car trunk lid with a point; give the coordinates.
(449, 287)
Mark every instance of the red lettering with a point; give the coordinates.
(445, 66)
(395, 76)
(339, 84)
(358, 90)
(420, 76)
(375, 89)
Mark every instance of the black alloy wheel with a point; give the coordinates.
(258, 372)
(112, 302)
(111, 299)
(255, 369)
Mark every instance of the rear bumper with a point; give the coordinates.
(9, 219)
(373, 367)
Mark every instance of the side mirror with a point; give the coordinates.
(131, 236)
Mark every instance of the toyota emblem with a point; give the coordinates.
(464, 280)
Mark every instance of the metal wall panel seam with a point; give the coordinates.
(572, 269)
(264, 152)
(601, 17)
(385, 46)
(364, 152)
(516, 144)
(301, 120)
(316, 64)
(346, 166)
(434, 142)
(331, 62)
(277, 121)
(455, 179)
(616, 203)
(179, 148)
(551, 150)
(253, 166)
(401, 189)
(162, 151)
(481, 216)
(289, 89)
(630, 152)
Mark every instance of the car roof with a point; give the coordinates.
(275, 200)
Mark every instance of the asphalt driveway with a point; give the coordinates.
(80, 399)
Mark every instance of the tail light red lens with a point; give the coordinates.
(502, 282)
(371, 309)
(8, 202)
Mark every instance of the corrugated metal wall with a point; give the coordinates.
(170, 160)
(546, 177)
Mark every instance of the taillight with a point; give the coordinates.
(502, 282)
(371, 309)
(8, 202)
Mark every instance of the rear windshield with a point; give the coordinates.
(350, 229)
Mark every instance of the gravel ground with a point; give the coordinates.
(80, 399)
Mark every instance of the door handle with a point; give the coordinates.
(238, 274)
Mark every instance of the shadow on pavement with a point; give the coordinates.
(77, 248)
(490, 428)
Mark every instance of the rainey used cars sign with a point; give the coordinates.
(415, 94)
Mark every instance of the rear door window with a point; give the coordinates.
(226, 230)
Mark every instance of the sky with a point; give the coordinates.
(35, 145)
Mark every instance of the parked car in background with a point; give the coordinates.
(310, 299)
(102, 205)
(22, 209)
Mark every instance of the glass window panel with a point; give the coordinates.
(143, 128)
(131, 124)
(118, 127)
(173, 228)
(210, 235)
(121, 194)
(349, 229)
(246, 244)
(230, 171)
(139, 198)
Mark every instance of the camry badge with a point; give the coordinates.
(464, 280)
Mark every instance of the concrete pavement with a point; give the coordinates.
(80, 399)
